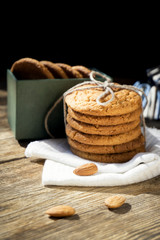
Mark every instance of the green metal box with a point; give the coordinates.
(30, 100)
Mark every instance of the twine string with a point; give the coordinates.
(107, 86)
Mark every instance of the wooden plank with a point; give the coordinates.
(24, 200)
(10, 149)
(5, 131)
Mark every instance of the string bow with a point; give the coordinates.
(107, 87)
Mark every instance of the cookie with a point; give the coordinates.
(102, 139)
(72, 73)
(29, 68)
(105, 120)
(109, 158)
(56, 71)
(83, 70)
(84, 101)
(102, 130)
(106, 149)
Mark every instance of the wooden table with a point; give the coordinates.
(23, 201)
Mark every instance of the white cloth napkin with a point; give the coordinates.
(60, 163)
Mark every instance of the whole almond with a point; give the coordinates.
(61, 211)
(86, 169)
(115, 201)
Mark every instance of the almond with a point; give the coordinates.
(86, 169)
(61, 211)
(115, 201)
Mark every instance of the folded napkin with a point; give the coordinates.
(60, 163)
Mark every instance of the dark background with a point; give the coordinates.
(122, 42)
(117, 59)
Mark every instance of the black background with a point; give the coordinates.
(122, 41)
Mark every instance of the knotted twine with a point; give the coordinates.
(107, 87)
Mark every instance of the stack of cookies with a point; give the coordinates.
(111, 133)
(29, 68)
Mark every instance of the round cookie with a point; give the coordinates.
(102, 139)
(83, 70)
(102, 130)
(105, 120)
(106, 149)
(69, 71)
(56, 71)
(109, 158)
(29, 68)
(84, 101)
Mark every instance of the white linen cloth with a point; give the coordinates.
(60, 163)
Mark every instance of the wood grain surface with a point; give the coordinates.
(23, 201)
